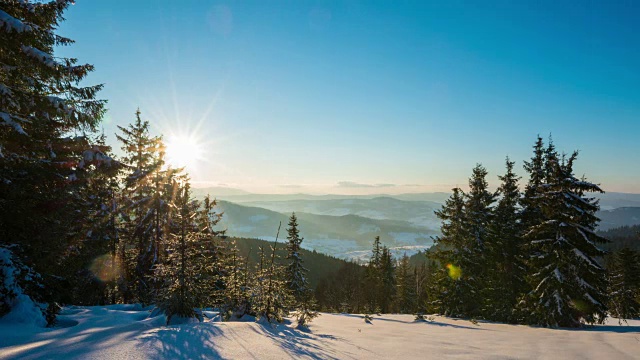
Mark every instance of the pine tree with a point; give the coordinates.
(149, 192)
(505, 282)
(479, 216)
(450, 288)
(531, 212)
(406, 295)
(388, 281)
(296, 272)
(183, 291)
(93, 270)
(213, 251)
(624, 284)
(235, 298)
(47, 120)
(569, 285)
(373, 277)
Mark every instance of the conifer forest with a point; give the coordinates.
(110, 248)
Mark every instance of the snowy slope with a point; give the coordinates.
(127, 332)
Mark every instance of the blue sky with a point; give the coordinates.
(320, 96)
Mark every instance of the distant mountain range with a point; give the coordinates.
(624, 216)
(608, 201)
(344, 236)
(345, 225)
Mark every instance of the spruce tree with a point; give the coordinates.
(148, 194)
(452, 292)
(234, 297)
(406, 295)
(47, 121)
(624, 284)
(531, 212)
(182, 290)
(388, 281)
(569, 285)
(373, 277)
(296, 272)
(505, 280)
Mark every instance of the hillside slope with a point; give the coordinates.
(348, 236)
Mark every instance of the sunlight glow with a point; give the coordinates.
(184, 151)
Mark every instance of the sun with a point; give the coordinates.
(183, 151)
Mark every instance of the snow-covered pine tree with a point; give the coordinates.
(93, 270)
(181, 271)
(505, 281)
(531, 212)
(624, 284)
(212, 269)
(44, 117)
(276, 298)
(148, 193)
(235, 300)
(450, 288)
(296, 272)
(569, 285)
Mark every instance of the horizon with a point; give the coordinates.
(347, 96)
(328, 190)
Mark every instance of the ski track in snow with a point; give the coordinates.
(128, 332)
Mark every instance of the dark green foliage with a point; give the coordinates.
(296, 273)
(47, 123)
(456, 249)
(568, 284)
(344, 290)
(234, 298)
(185, 271)
(406, 298)
(505, 281)
(148, 196)
(622, 237)
(624, 284)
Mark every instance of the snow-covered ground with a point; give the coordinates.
(128, 332)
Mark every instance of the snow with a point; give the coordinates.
(9, 23)
(40, 55)
(129, 332)
(23, 309)
(8, 119)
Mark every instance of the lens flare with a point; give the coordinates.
(455, 272)
(105, 268)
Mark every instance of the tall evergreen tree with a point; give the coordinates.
(451, 289)
(624, 284)
(149, 192)
(406, 295)
(373, 277)
(531, 212)
(505, 281)
(479, 216)
(569, 285)
(234, 297)
(183, 290)
(47, 119)
(296, 272)
(388, 280)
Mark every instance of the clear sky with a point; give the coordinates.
(371, 96)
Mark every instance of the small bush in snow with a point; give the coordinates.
(19, 292)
